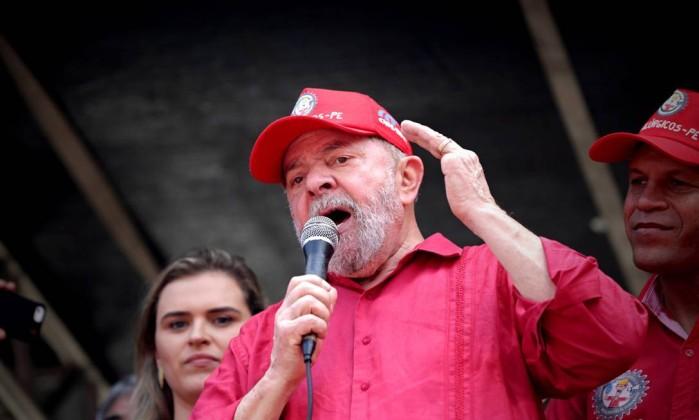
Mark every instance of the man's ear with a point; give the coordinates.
(409, 177)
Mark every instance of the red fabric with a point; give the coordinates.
(672, 129)
(316, 109)
(448, 337)
(669, 388)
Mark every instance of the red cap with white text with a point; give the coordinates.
(315, 109)
(673, 129)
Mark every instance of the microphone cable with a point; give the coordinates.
(309, 383)
(307, 346)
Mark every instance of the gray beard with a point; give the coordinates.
(358, 251)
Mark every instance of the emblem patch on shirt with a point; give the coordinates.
(617, 398)
(674, 103)
(304, 105)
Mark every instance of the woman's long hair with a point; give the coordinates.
(152, 402)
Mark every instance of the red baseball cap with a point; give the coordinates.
(673, 129)
(315, 109)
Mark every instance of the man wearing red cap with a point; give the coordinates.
(661, 213)
(410, 327)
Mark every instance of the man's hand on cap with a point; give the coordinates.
(434, 142)
(467, 190)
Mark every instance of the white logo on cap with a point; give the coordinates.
(673, 104)
(304, 105)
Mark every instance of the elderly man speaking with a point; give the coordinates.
(410, 327)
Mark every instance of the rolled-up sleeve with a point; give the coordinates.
(222, 393)
(234, 377)
(588, 333)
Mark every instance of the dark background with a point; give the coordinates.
(169, 98)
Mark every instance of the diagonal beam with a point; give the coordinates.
(581, 132)
(15, 399)
(54, 330)
(81, 165)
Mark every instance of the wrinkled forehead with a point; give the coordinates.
(645, 157)
(317, 142)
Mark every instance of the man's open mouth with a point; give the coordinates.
(336, 215)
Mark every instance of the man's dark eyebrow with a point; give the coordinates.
(691, 170)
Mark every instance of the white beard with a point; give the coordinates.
(358, 251)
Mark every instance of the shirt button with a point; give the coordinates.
(689, 352)
(364, 386)
(366, 340)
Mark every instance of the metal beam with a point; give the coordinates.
(81, 165)
(15, 399)
(581, 132)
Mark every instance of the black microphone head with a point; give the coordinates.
(319, 228)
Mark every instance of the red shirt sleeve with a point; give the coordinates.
(590, 332)
(228, 384)
(221, 394)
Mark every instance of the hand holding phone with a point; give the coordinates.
(20, 318)
(5, 285)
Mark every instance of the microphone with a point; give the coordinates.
(318, 240)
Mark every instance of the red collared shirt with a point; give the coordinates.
(447, 336)
(662, 384)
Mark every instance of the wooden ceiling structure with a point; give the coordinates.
(126, 138)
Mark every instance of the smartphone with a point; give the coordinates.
(21, 318)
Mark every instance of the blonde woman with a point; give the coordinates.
(195, 307)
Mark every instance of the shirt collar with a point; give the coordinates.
(435, 244)
(652, 298)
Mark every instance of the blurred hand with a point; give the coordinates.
(6, 285)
